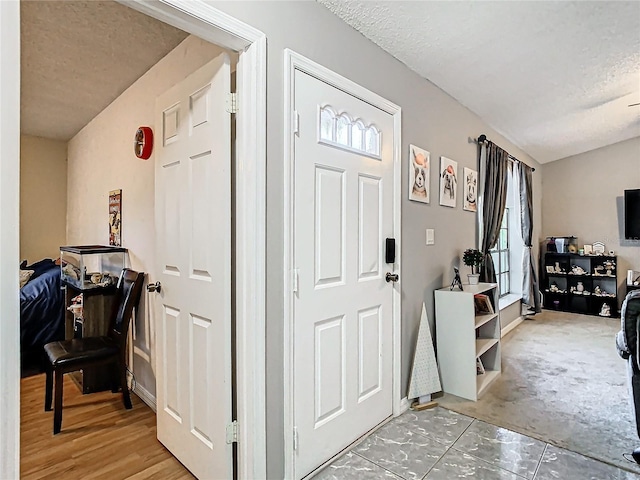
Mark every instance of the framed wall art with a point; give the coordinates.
(470, 178)
(448, 182)
(419, 174)
(115, 218)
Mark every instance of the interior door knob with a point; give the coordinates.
(391, 277)
(154, 287)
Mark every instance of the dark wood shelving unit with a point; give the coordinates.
(567, 291)
(97, 305)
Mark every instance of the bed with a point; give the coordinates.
(41, 309)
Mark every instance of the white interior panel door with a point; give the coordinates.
(193, 314)
(343, 308)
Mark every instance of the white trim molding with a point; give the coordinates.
(292, 62)
(404, 405)
(145, 396)
(9, 239)
(511, 326)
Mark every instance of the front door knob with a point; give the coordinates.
(154, 287)
(391, 277)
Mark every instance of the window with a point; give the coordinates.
(500, 254)
(351, 135)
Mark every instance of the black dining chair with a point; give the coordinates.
(81, 353)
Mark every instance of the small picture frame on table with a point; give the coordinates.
(588, 249)
(550, 269)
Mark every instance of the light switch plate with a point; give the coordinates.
(431, 236)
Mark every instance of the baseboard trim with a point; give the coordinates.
(511, 326)
(145, 396)
(404, 405)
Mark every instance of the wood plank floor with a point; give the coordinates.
(100, 439)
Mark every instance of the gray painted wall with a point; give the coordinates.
(430, 119)
(583, 196)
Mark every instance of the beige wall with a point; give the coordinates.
(583, 196)
(43, 197)
(101, 159)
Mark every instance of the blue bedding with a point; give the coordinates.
(41, 306)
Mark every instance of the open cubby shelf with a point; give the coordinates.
(464, 335)
(565, 290)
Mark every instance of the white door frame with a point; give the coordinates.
(210, 24)
(292, 62)
(9, 239)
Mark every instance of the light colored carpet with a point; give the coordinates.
(564, 383)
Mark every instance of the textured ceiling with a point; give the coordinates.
(78, 56)
(555, 78)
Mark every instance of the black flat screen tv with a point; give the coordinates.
(632, 214)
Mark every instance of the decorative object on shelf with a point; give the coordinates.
(425, 379)
(612, 253)
(598, 248)
(456, 279)
(143, 143)
(558, 269)
(550, 269)
(448, 182)
(115, 218)
(605, 311)
(482, 304)
(581, 251)
(597, 290)
(588, 249)
(473, 258)
(553, 288)
(470, 178)
(419, 174)
(607, 269)
(580, 287)
(572, 248)
(577, 270)
(479, 367)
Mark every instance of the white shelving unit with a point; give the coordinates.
(463, 336)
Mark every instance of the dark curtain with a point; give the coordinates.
(530, 294)
(496, 174)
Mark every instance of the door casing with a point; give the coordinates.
(210, 24)
(292, 62)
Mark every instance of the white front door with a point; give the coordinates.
(344, 179)
(193, 235)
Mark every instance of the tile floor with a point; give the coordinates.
(440, 444)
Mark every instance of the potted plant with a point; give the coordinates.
(473, 258)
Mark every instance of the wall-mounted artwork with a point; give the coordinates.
(115, 218)
(448, 182)
(419, 174)
(470, 179)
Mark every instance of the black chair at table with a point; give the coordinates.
(80, 353)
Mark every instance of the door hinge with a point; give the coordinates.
(296, 122)
(232, 432)
(232, 103)
(295, 280)
(295, 438)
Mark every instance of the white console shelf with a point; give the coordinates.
(463, 336)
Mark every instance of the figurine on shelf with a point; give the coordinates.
(610, 267)
(605, 311)
(597, 290)
(577, 270)
(553, 288)
(580, 287)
